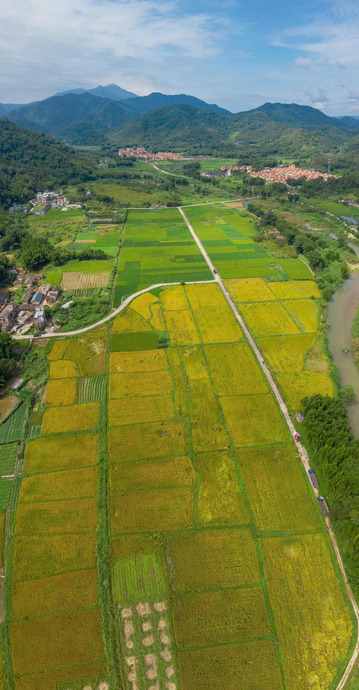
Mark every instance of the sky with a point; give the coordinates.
(235, 53)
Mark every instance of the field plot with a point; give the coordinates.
(268, 318)
(286, 331)
(61, 392)
(13, 428)
(158, 248)
(76, 280)
(60, 453)
(226, 234)
(215, 320)
(188, 495)
(247, 665)
(272, 494)
(8, 453)
(54, 584)
(174, 465)
(70, 418)
(304, 619)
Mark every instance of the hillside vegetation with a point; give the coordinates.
(31, 161)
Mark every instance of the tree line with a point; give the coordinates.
(337, 455)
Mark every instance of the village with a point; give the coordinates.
(279, 174)
(142, 153)
(20, 317)
(44, 202)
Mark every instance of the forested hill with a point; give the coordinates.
(68, 117)
(31, 161)
(175, 126)
(272, 129)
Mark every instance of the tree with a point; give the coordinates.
(6, 345)
(35, 254)
(347, 394)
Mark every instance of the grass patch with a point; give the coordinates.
(127, 342)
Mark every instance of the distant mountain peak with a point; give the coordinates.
(110, 91)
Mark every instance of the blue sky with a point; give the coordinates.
(237, 53)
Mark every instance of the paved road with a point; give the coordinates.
(125, 303)
(301, 450)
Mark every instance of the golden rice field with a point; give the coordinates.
(182, 492)
(287, 331)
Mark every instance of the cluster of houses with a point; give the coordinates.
(43, 202)
(280, 174)
(142, 153)
(349, 202)
(15, 317)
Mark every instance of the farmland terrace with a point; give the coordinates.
(160, 517)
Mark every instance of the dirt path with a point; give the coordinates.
(166, 172)
(301, 450)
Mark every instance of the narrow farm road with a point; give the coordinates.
(166, 172)
(86, 329)
(301, 450)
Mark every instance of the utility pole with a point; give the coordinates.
(329, 162)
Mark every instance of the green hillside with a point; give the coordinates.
(31, 161)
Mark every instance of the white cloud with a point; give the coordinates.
(50, 45)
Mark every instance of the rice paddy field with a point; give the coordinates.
(226, 234)
(284, 318)
(157, 248)
(164, 535)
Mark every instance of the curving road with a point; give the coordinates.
(124, 304)
(301, 450)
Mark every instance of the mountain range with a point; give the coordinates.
(111, 116)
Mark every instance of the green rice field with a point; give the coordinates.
(226, 234)
(157, 248)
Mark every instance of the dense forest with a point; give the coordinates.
(337, 454)
(30, 162)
